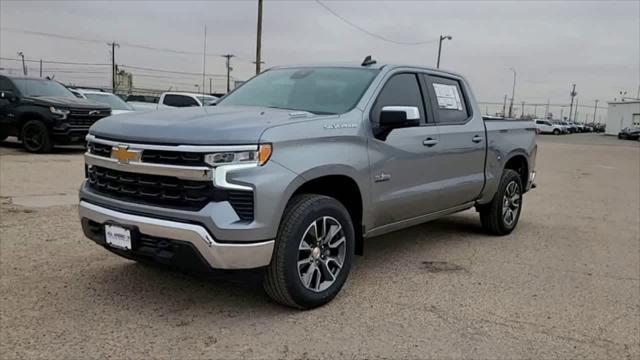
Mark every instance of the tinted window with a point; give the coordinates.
(180, 101)
(38, 87)
(540, 122)
(319, 90)
(449, 100)
(5, 85)
(400, 90)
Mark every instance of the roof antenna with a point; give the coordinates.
(368, 61)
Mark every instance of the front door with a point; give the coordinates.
(403, 163)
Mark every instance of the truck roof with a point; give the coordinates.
(378, 66)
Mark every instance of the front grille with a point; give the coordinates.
(99, 149)
(83, 117)
(151, 189)
(167, 191)
(173, 158)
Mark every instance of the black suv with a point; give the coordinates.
(43, 113)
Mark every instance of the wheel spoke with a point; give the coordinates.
(318, 278)
(333, 230)
(304, 262)
(337, 243)
(334, 260)
(308, 275)
(327, 271)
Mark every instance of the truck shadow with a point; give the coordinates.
(187, 295)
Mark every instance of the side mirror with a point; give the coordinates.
(393, 117)
(7, 95)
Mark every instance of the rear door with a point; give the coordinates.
(462, 145)
(403, 164)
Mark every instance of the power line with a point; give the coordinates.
(165, 71)
(102, 41)
(372, 34)
(56, 62)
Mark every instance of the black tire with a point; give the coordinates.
(556, 132)
(283, 280)
(35, 137)
(492, 215)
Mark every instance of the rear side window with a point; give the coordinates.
(5, 84)
(180, 101)
(449, 101)
(400, 90)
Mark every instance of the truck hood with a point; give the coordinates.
(208, 125)
(64, 102)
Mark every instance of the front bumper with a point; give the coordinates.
(215, 254)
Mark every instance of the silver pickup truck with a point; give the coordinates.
(294, 169)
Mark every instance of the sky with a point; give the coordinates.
(550, 44)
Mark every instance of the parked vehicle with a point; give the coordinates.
(571, 129)
(43, 113)
(117, 105)
(563, 126)
(547, 127)
(630, 133)
(295, 168)
(176, 99)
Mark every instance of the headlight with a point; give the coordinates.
(60, 112)
(259, 157)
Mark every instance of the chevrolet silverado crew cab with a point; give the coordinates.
(294, 169)
(43, 113)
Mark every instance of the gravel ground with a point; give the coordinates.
(565, 284)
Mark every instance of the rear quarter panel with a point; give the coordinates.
(505, 139)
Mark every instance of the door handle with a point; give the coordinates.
(477, 139)
(429, 142)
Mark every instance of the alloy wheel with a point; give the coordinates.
(511, 203)
(321, 253)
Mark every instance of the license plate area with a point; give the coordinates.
(119, 236)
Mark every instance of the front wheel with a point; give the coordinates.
(313, 252)
(556, 132)
(501, 215)
(35, 137)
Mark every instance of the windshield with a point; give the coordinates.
(113, 101)
(38, 87)
(329, 90)
(207, 100)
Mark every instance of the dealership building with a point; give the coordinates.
(622, 114)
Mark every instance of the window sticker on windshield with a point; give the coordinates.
(448, 97)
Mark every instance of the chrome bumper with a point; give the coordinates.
(218, 255)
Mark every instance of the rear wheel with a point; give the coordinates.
(501, 215)
(556, 132)
(313, 252)
(35, 137)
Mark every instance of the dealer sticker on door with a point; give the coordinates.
(118, 237)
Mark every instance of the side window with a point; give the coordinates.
(540, 122)
(400, 90)
(450, 104)
(179, 101)
(5, 84)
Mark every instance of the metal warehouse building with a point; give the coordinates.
(622, 114)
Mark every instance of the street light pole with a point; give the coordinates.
(595, 109)
(513, 92)
(442, 37)
(24, 67)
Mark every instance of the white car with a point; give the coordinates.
(118, 106)
(545, 126)
(176, 99)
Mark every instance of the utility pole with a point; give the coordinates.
(573, 94)
(504, 107)
(561, 113)
(535, 110)
(595, 109)
(40, 67)
(113, 65)
(24, 66)
(210, 86)
(546, 114)
(575, 113)
(259, 38)
(229, 68)
(204, 58)
(442, 37)
(522, 115)
(513, 92)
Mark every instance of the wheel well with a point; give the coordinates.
(24, 118)
(519, 164)
(345, 190)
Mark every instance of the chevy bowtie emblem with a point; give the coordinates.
(124, 155)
